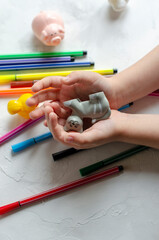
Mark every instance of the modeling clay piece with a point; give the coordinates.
(96, 108)
(48, 27)
(19, 106)
(118, 5)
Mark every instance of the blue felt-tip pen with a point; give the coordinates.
(125, 106)
(29, 142)
(46, 66)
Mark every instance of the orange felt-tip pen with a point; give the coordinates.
(14, 91)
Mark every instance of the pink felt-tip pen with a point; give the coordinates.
(155, 94)
(9, 207)
(18, 129)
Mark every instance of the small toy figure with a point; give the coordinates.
(19, 106)
(96, 108)
(48, 27)
(118, 5)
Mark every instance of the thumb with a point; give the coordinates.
(87, 139)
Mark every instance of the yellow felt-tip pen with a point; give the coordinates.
(37, 76)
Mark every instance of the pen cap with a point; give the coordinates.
(22, 145)
(4, 79)
(9, 207)
(64, 153)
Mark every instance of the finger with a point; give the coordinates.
(51, 81)
(38, 112)
(48, 94)
(45, 123)
(87, 139)
(59, 110)
(47, 111)
(62, 121)
(56, 129)
(79, 76)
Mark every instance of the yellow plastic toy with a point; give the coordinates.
(19, 106)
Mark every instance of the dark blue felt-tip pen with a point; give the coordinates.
(29, 142)
(125, 106)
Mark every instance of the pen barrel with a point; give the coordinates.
(43, 137)
(45, 66)
(18, 129)
(37, 76)
(60, 189)
(124, 154)
(69, 186)
(44, 54)
(29, 142)
(21, 84)
(36, 60)
(94, 167)
(15, 91)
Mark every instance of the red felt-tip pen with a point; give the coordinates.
(22, 84)
(9, 207)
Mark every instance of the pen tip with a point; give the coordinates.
(121, 168)
(84, 53)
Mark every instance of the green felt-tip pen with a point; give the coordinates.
(43, 54)
(94, 167)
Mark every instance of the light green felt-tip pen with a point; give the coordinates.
(43, 54)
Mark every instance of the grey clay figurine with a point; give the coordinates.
(97, 108)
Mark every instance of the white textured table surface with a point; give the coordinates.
(122, 207)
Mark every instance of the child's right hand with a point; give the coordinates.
(78, 84)
(103, 131)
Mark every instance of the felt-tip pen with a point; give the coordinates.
(29, 142)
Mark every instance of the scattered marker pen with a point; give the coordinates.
(54, 191)
(43, 54)
(22, 84)
(29, 142)
(96, 166)
(36, 60)
(18, 129)
(45, 66)
(39, 75)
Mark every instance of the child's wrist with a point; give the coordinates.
(112, 93)
(122, 127)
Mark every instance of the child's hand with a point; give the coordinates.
(100, 133)
(78, 84)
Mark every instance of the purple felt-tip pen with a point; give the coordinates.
(36, 60)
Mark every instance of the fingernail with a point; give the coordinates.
(69, 139)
